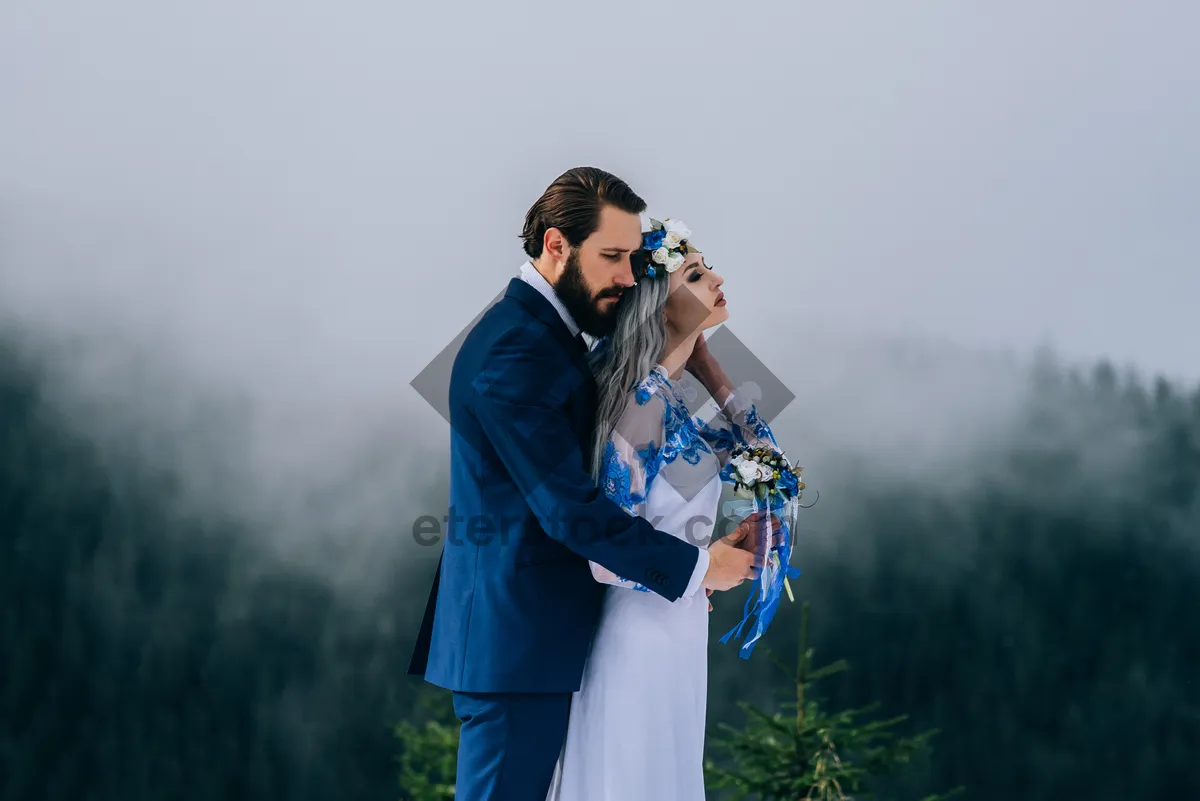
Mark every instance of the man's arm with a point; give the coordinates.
(519, 398)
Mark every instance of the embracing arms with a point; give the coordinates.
(519, 398)
(631, 459)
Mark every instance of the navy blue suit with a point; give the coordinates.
(513, 607)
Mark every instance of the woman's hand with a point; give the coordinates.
(700, 357)
(703, 365)
(750, 533)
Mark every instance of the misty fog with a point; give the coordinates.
(231, 236)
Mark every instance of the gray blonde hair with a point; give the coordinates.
(625, 358)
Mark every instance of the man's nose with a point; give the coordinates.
(624, 276)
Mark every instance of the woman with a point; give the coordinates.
(636, 730)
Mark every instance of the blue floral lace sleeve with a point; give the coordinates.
(632, 458)
(737, 423)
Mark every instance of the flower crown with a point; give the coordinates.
(665, 246)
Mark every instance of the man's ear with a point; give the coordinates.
(554, 245)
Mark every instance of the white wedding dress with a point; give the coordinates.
(637, 723)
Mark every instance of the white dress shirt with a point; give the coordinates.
(531, 276)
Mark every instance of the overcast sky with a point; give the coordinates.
(1003, 174)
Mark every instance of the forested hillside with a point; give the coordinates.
(1044, 620)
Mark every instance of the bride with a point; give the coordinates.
(636, 729)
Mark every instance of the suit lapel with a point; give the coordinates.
(582, 408)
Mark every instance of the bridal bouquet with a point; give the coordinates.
(767, 482)
(762, 472)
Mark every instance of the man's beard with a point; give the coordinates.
(581, 304)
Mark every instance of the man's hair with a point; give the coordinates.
(572, 204)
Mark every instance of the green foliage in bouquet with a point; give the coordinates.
(429, 752)
(804, 752)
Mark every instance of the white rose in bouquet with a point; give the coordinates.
(748, 472)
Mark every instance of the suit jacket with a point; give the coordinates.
(513, 605)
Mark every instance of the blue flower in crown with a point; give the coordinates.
(665, 246)
(652, 240)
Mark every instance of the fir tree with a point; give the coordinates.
(429, 752)
(804, 752)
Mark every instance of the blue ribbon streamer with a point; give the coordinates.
(764, 598)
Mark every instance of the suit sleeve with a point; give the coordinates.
(520, 399)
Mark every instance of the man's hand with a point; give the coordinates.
(737, 557)
(729, 566)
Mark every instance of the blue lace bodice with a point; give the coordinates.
(658, 430)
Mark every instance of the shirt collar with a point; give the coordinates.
(531, 276)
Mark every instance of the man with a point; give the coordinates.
(513, 607)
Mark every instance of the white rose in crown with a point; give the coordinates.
(671, 240)
(662, 256)
(676, 229)
(674, 262)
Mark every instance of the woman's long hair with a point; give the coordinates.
(625, 358)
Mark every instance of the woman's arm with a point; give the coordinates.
(742, 424)
(703, 365)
